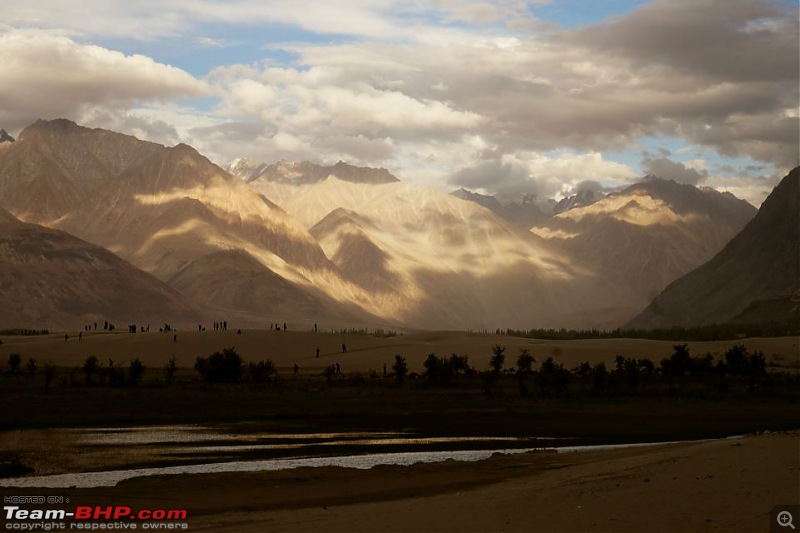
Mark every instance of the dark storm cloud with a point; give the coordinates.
(727, 40)
(665, 168)
(722, 73)
(588, 186)
(504, 180)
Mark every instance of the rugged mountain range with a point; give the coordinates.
(645, 235)
(433, 260)
(246, 169)
(528, 210)
(525, 211)
(489, 202)
(48, 277)
(579, 199)
(165, 210)
(648, 234)
(343, 245)
(754, 278)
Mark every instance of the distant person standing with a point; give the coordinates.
(284, 326)
(317, 353)
(315, 327)
(175, 338)
(344, 348)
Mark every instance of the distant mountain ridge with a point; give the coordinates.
(579, 199)
(487, 201)
(246, 169)
(432, 260)
(305, 172)
(162, 209)
(295, 241)
(524, 212)
(649, 233)
(754, 278)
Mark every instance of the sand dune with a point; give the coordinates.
(364, 352)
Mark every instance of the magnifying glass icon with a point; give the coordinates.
(785, 519)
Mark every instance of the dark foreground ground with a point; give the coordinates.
(724, 485)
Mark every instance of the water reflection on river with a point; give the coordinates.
(93, 457)
(92, 453)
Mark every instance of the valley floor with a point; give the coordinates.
(711, 485)
(364, 352)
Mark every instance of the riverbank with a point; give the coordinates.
(721, 485)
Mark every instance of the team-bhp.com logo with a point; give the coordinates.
(85, 517)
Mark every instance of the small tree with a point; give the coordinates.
(14, 361)
(220, 367)
(553, 378)
(525, 362)
(736, 360)
(498, 358)
(135, 371)
(437, 370)
(460, 364)
(49, 375)
(400, 368)
(524, 367)
(599, 378)
(330, 373)
(90, 367)
(679, 363)
(169, 370)
(261, 372)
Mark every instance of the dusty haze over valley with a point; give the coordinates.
(345, 245)
(446, 265)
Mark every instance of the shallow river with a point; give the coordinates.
(171, 442)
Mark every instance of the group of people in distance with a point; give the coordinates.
(334, 368)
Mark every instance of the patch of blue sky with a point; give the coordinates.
(572, 13)
(680, 151)
(212, 46)
(204, 105)
(653, 147)
(630, 158)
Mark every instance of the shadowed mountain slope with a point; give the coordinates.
(435, 261)
(648, 234)
(755, 276)
(163, 209)
(50, 279)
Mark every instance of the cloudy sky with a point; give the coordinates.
(498, 96)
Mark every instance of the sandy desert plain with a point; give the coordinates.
(705, 482)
